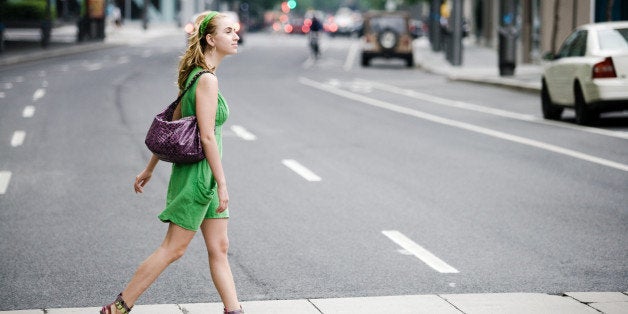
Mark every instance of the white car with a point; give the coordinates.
(589, 73)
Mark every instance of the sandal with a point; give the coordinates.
(119, 304)
(240, 311)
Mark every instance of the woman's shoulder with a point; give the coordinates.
(195, 71)
(208, 78)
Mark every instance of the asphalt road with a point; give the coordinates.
(487, 194)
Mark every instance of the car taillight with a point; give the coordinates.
(604, 69)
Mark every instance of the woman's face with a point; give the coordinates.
(226, 39)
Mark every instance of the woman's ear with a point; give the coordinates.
(210, 40)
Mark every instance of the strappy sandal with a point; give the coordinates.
(240, 311)
(119, 304)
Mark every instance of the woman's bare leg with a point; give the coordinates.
(171, 249)
(217, 242)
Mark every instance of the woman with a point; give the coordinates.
(197, 193)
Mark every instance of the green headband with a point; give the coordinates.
(203, 25)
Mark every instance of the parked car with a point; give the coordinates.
(189, 27)
(346, 22)
(387, 35)
(589, 73)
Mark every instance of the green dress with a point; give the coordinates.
(192, 194)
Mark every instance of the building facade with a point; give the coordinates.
(542, 24)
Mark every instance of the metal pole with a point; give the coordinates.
(145, 15)
(435, 29)
(456, 38)
(127, 9)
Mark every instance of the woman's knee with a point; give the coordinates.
(218, 247)
(172, 253)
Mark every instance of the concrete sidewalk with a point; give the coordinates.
(23, 44)
(479, 65)
(533, 303)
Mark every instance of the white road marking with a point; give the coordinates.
(492, 111)
(8, 85)
(29, 112)
(353, 52)
(5, 177)
(93, 66)
(243, 133)
(19, 79)
(2, 95)
(300, 170)
(424, 255)
(44, 84)
(39, 93)
(18, 138)
(463, 125)
(334, 82)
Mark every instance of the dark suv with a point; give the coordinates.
(387, 35)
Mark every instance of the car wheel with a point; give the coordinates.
(388, 39)
(584, 114)
(550, 111)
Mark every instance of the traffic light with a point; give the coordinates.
(292, 4)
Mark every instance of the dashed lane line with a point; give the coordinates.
(464, 125)
(39, 93)
(18, 138)
(243, 133)
(5, 177)
(94, 66)
(28, 112)
(419, 252)
(301, 170)
(353, 52)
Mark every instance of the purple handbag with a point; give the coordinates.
(176, 141)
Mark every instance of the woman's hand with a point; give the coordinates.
(141, 180)
(223, 199)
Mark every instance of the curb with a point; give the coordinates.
(55, 52)
(502, 82)
(506, 82)
(524, 303)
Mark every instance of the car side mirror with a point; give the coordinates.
(549, 56)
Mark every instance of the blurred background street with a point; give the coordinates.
(331, 165)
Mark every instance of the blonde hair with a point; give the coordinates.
(194, 55)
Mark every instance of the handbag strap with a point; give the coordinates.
(191, 83)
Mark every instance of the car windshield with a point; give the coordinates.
(395, 23)
(613, 39)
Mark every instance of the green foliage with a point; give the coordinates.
(24, 10)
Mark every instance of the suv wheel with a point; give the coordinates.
(388, 39)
